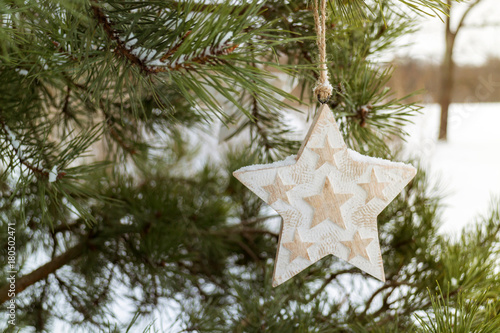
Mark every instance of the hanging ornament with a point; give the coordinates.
(328, 195)
(329, 198)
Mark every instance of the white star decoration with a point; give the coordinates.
(329, 197)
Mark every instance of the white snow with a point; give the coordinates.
(226, 38)
(467, 166)
(22, 71)
(53, 174)
(369, 159)
(287, 161)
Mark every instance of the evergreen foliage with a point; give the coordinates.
(102, 106)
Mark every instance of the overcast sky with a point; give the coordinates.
(478, 40)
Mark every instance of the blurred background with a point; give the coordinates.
(467, 163)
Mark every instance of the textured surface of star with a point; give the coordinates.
(297, 247)
(357, 247)
(330, 199)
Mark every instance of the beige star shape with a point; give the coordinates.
(349, 191)
(297, 247)
(325, 154)
(277, 190)
(327, 205)
(357, 247)
(374, 189)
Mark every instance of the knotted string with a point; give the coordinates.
(323, 89)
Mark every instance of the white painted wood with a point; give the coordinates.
(329, 198)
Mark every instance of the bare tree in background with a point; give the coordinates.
(448, 66)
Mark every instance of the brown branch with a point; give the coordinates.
(174, 48)
(208, 56)
(462, 20)
(332, 277)
(248, 250)
(43, 272)
(66, 227)
(242, 230)
(385, 304)
(66, 101)
(372, 298)
(120, 48)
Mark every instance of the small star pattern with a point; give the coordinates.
(357, 247)
(373, 189)
(277, 191)
(327, 205)
(297, 247)
(329, 198)
(326, 154)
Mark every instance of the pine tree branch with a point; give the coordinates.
(242, 230)
(121, 49)
(44, 271)
(40, 172)
(174, 48)
(372, 297)
(266, 12)
(110, 121)
(332, 277)
(248, 250)
(207, 56)
(61, 50)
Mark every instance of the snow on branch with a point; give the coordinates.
(52, 175)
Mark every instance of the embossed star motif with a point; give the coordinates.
(326, 154)
(277, 190)
(373, 189)
(297, 247)
(327, 205)
(332, 195)
(358, 246)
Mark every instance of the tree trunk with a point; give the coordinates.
(447, 80)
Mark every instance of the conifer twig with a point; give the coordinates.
(113, 35)
(17, 149)
(207, 56)
(174, 48)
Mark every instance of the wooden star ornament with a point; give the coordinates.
(329, 197)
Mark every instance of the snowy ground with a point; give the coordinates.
(467, 166)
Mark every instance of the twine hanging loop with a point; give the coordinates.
(323, 88)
